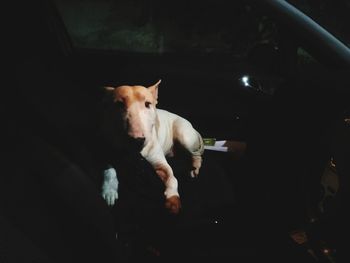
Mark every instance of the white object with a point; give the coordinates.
(218, 146)
(110, 186)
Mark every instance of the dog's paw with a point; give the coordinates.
(110, 195)
(110, 186)
(173, 204)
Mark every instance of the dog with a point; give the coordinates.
(155, 132)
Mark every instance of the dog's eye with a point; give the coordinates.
(147, 104)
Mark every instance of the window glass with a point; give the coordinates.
(156, 26)
(304, 57)
(333, 15)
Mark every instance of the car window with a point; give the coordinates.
(158, 27)
(332, 15)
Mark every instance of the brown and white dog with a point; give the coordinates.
(156, 131)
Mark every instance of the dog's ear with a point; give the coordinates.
(107, 95)
(154, 90)
(109, 89)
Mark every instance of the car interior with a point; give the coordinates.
(258, 75)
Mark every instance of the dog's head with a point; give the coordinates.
(135, 107)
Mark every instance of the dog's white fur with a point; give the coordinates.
(159, 129)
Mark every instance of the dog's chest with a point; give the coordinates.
(164, 129)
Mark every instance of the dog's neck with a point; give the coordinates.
(153, 139)
(157, 124)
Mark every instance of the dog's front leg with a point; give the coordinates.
(165, 173)
(157, 159)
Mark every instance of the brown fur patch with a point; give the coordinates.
(130, 94)
(173, 204)
(161, 170)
